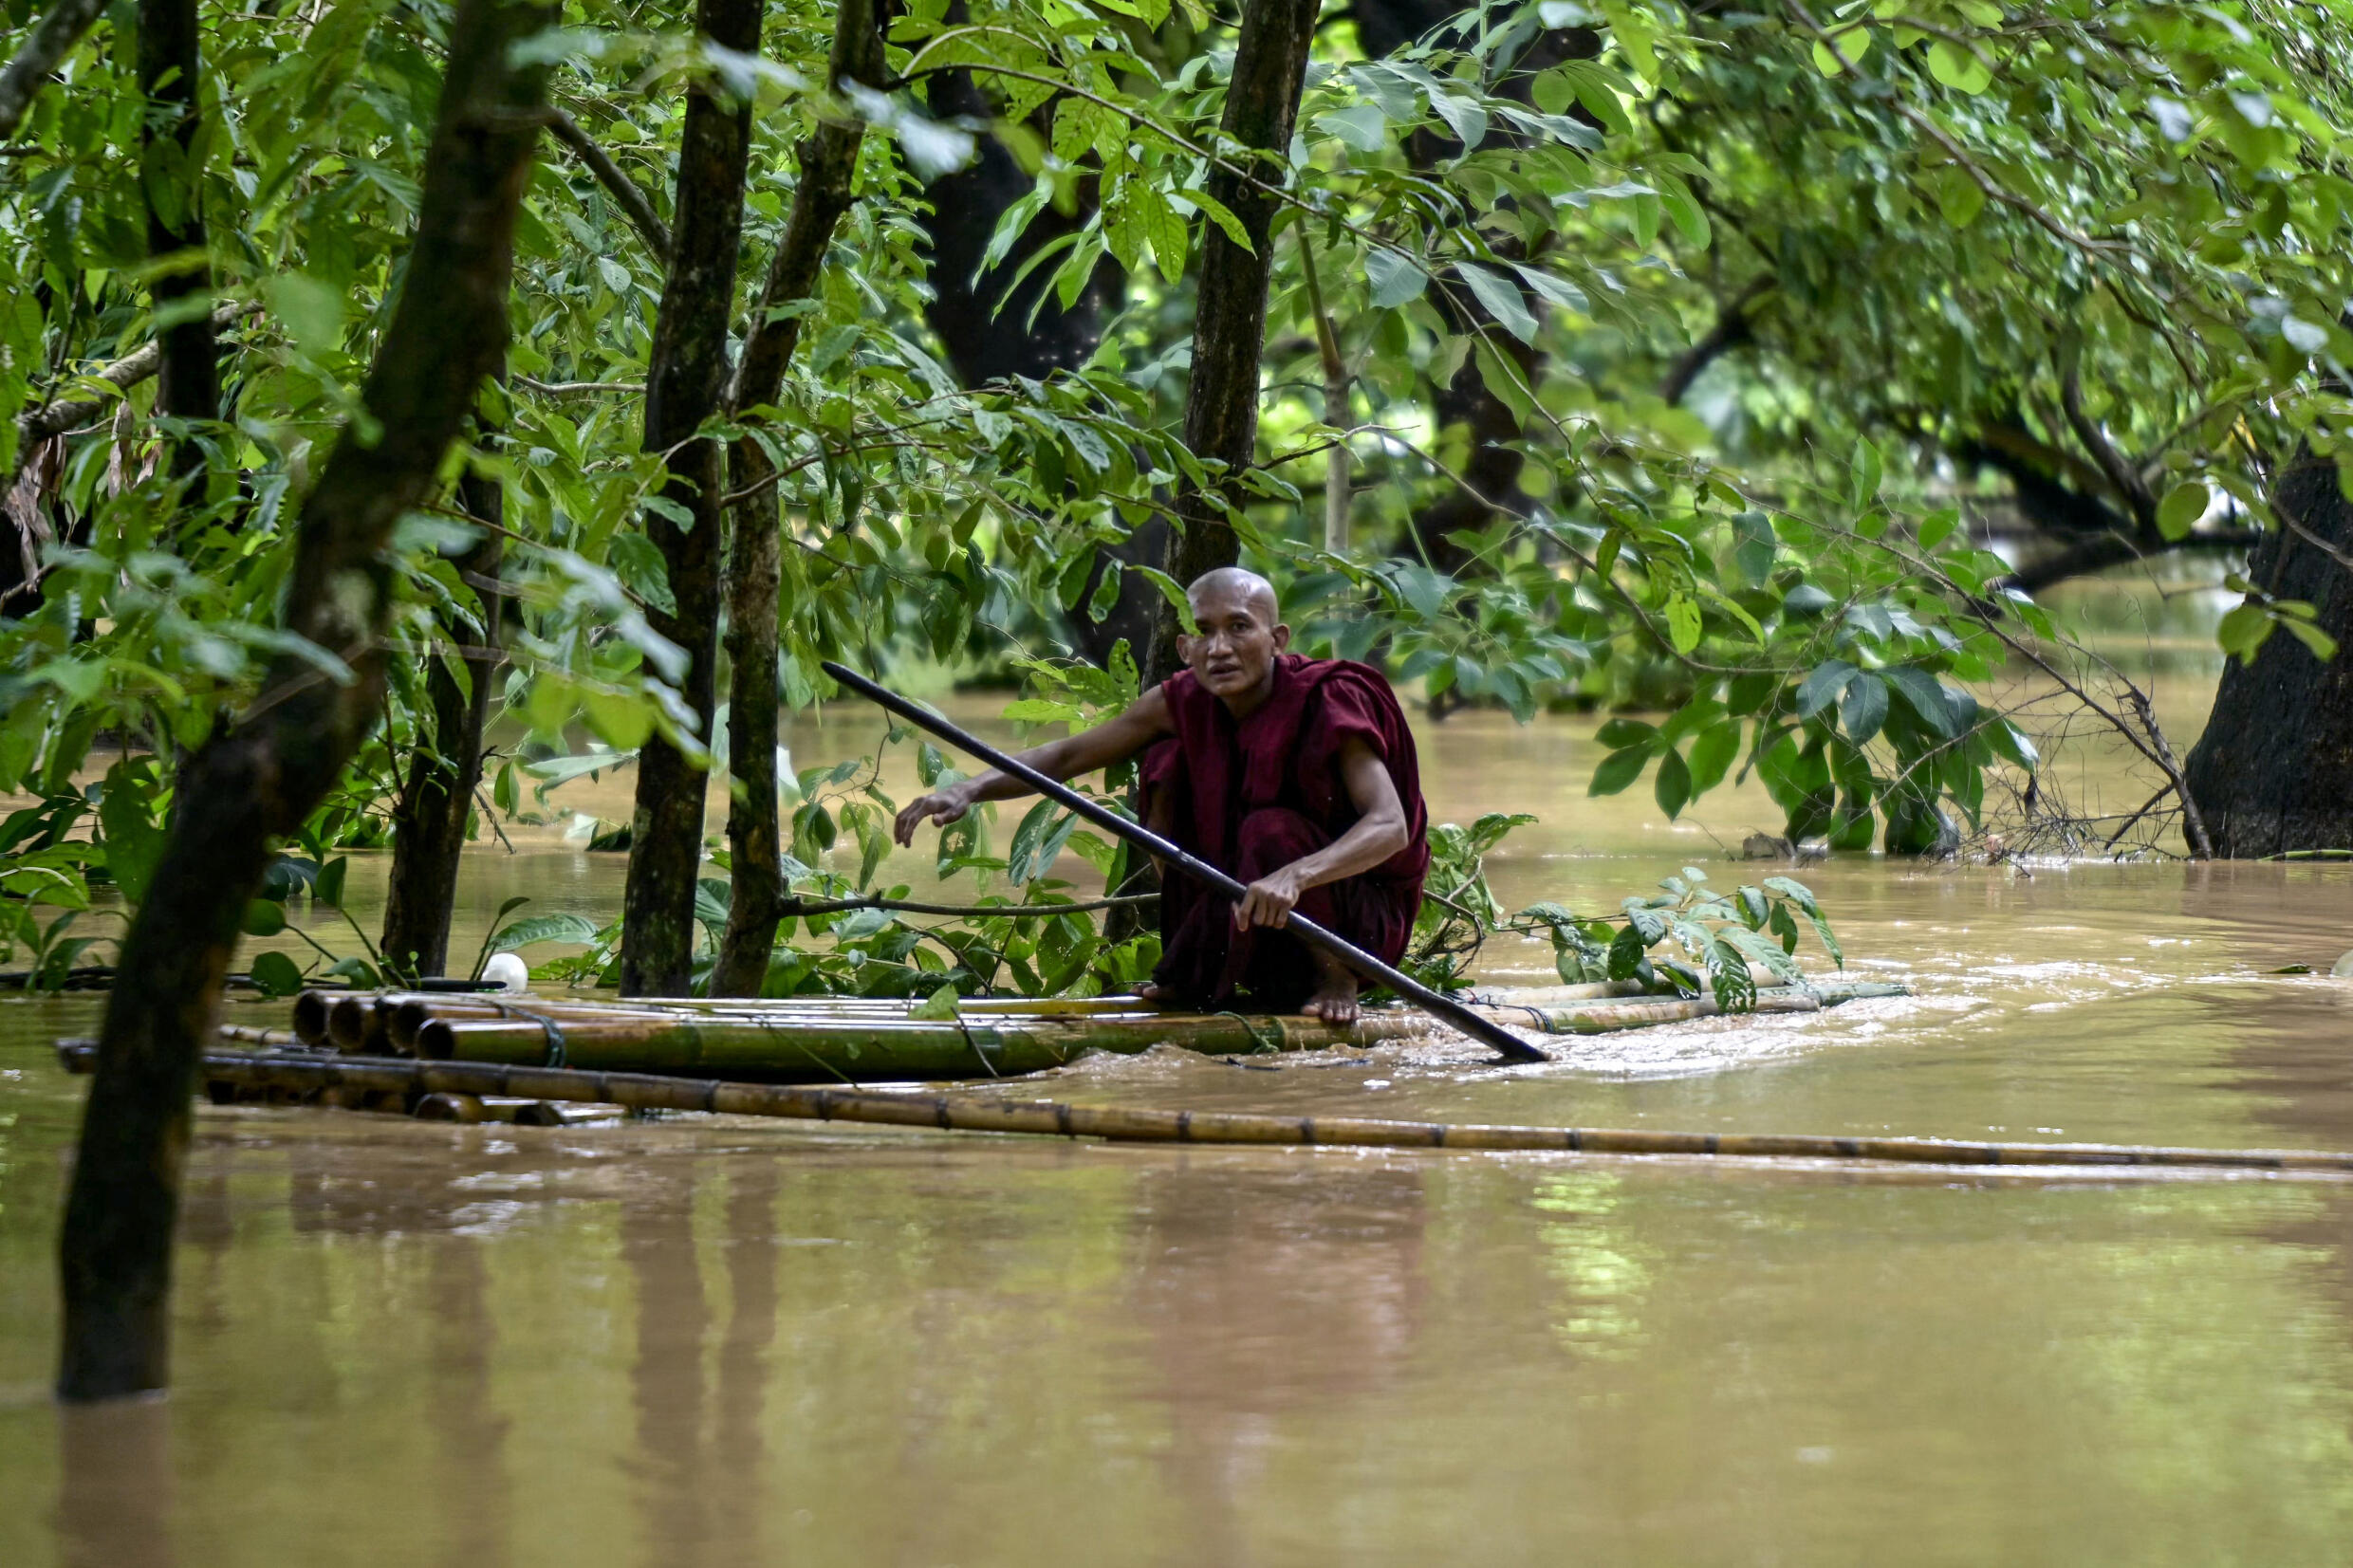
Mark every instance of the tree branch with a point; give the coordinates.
(618, 185)
(2096, 554)
(39, 424)
(42, 53)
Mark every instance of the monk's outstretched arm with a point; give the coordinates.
(1115, 740)
(1380, 832)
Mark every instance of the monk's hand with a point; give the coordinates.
(1270, 900)
(942, 806)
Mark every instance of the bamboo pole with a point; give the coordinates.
(811, 1047)
(308, 1072)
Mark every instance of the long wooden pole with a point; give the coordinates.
(310, 1071)
(1486, 1031)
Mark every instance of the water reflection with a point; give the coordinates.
(658, 1247)
(474, 1500)
(1268, 1294)
(115, 1502)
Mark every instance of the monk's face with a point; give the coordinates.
(1240, 636)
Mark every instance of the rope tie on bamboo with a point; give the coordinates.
(547, 1027)
(1266, 1039)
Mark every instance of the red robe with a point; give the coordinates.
(1252, 796)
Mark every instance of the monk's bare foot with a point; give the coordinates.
(1159, 996)
(1334, 1003)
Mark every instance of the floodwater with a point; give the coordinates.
(701, 1342)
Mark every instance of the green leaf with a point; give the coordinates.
(2182, 507)
(2323, 646)
(1163, 228)
(1958, 68)
(1753, 546)
(1618, 770)
(1869, 471)
(1620, 733)
(1925, 695)
(938, 1007)
(1683, 625)
(1673, 787)
(275, 973)
(1863, 707)
(1501, 298)
(552, 927)
(1174, 593)
(328, 887)
(2243, 630)
(1361, 126)
(263, 917)
(1712, 755)
(1220, 215)
(1821, 688)
(1503, 378)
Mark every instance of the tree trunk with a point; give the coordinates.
(188, 379)
(754, 853)
(1229, 319)
(429, 818)
(259, 778)
(2274, 770)
(684, 383)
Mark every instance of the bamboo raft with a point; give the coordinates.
(318, 1073)
(850, 1040)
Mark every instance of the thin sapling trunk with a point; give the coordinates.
(260, 777)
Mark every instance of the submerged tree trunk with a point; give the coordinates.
(260, 777)
(1229, 319)
(2274, 770)
(429, 818)
(684, 382)
(754, 853)
(188, 378)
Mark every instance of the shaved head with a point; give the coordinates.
(1239, 634)
(1234, 584)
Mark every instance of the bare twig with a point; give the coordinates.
(567, 389)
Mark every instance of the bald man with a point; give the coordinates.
(1294, 776)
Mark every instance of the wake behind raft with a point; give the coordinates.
(851, 1039)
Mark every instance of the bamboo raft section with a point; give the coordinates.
(317, 1073)
(849, 1040)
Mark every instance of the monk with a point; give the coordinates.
(1294, 776)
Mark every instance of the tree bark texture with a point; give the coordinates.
(1230, 320)
(829, 162)
(429, 818)
(188, 378)
(260, 777)
(685, 384)
(2274, 770)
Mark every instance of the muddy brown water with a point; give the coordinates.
(703, 1342)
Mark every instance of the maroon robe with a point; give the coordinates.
(1252, 796)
